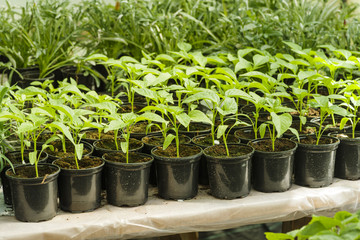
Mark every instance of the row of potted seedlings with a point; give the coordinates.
(175, 102)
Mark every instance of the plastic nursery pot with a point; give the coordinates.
(79, 77)
(205, 141)
(272, 171)
(32, 76)
(103, 146)
(177, 177)
(53, 155)
(34, 199)
(347, 161)
(127, 183)
(15, 77)
(15, 158)
(314, 164)
(151, 141)
(80, 189)
(229, 177)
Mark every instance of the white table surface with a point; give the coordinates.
(203, 213)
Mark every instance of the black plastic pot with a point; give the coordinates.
(148, 147)
(34, 199)
(272, 171)
(5, 181)
(32, 76)
(80, 189)
(229, 177)
(203, 169)
(314, 164)
(347, 162)
(177, 178)
(80, 77)
(14, 77)
(127, 183)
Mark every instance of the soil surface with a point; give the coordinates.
(281, 144)
(58, 150)
(110, 144)
(170, 152)
(159, 140)
(310, 113)
(305, 129)
(247, 133)
(126, 108)
(85, 162)
(220, 151)
(140, 127)
(312, 140)
(29, 171)
(207, 140)
(121, 157)
(195, 127)
(94, 134)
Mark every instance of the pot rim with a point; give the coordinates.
(230, 157)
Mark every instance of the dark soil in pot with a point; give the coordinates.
(126, 108)
(108, 145)
(331, 127)
(92, 135)
(205, 141)
(70, 150)
(195, 129)
(127, 183)
(177, 177)
(347, 161)
(246, 134)
(229, 176)
(314, 164)
(34, 198)
(272, 170)
(80, 189)
(139, 130)
(306, 129)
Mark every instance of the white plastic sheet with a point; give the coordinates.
(203, 213)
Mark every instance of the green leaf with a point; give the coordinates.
(79, 149)
(165, 57)
(242, 64)
(124, 146)
(184, 46)
(168, 139)
(262, 129)
(184, 119)
(278, 236)
(149, 116)
(199, 58)
(33, 157)
(293, 45)
(281, 122)
(221, 130)
(260, 60)
(198, 116)
(343, 122)
(64, 129)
